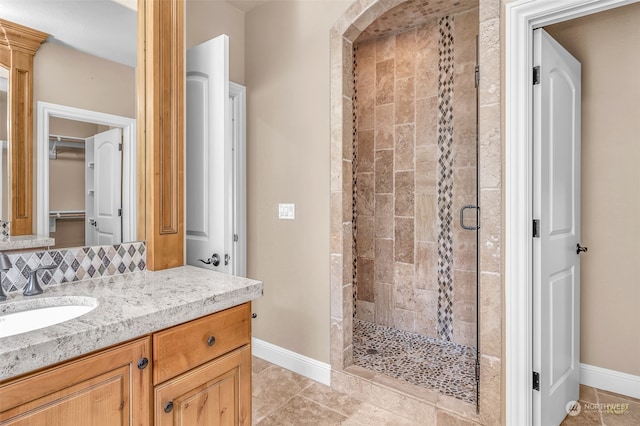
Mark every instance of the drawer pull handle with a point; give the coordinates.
(211, 340)
(168, 407)
(142, 363)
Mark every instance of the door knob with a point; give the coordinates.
(580, 249)
(213, 260)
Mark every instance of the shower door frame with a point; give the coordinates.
(521, 18)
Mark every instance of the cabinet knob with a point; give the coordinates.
(142, 363)
(211, 340)
(168, 407)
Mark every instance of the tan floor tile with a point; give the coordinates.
(258, 365)
(617, 396)
(588, 394)
(447, 419)
(618, 409)
(337, 401)
(302, 411)
(273, 387)
(368, 415)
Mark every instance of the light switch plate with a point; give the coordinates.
(286, 211)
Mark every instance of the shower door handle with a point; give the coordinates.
(473, 227)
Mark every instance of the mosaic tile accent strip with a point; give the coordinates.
(446, 367)
(75, 264)
(445, 178)
(354, 211)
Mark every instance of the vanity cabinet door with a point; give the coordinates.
(104, 389)
(216, 393)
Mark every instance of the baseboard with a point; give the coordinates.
(305, 366)
(610, 380)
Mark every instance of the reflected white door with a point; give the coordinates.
(108, 186)
(556, 263)
(209, 156)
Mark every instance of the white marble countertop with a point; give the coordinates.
(130, 305)
(22, 242)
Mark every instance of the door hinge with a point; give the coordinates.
(477, 76)
(536, 381)
(536, 228)
(119, 147)
(235, 238)
(119, 212)
(536, 75)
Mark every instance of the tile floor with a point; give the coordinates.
(603, 408)
(424, 361)
(281, 397)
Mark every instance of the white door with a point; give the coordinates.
(237, 123)
(209, 156)
(108, 186)
(556, 204)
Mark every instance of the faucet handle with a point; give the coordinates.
(43, 267)
(33, 286)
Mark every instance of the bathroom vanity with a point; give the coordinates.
(164, 348)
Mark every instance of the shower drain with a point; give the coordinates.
(372, 351)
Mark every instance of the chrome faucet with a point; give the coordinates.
(5, 265)
(33, 286)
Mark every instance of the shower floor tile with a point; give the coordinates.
(446, 367)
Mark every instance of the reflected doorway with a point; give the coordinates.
(55, 120)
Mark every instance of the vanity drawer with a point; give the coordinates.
(183, 347)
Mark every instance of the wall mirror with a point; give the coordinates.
(4, 137)
(84, 84)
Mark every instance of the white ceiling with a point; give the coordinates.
(104, 28)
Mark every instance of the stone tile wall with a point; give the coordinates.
(414, 143)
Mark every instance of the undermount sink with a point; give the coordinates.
(28, 315)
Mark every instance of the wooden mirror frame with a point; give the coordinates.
(160, 123)
(18, 46)
(161, 126)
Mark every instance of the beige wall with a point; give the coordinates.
(207, 19)
(287, 78)
(607, 46)
(69, 77)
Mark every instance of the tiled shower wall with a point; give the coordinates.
(415, 168)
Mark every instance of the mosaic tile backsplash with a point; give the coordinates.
(75, 264)
(5, 229)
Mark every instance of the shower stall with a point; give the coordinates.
(415, 197)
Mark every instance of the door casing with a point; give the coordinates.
(521, 18)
